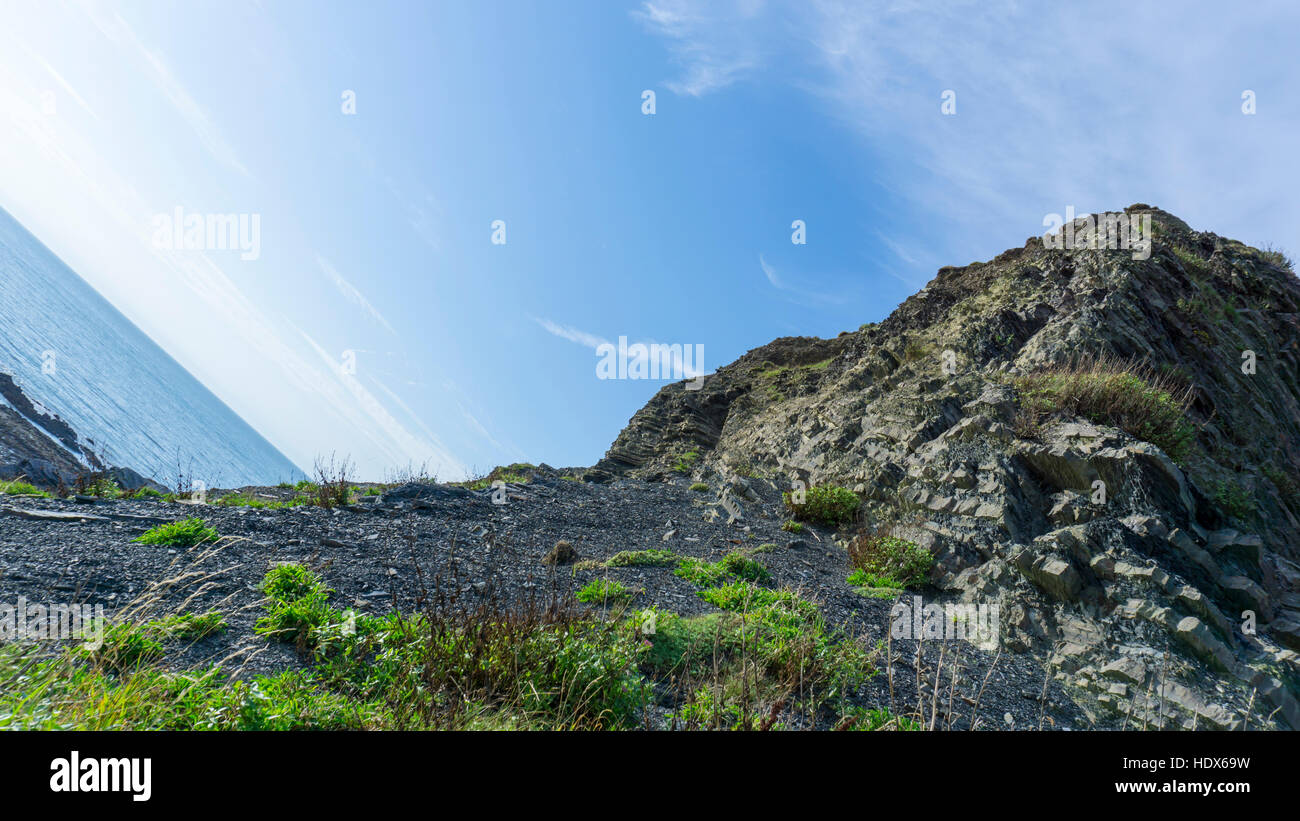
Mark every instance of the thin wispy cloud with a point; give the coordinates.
(398, 445)
(120, 32)
(802, 296)
(770, 273)
(898, 250)
(352, 294)
(572, 334)
(58, 78)
(709, 60)
(679, 358)
(880, 70)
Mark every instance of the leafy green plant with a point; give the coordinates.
(863, 719)
(98, 485)
(1233, 499)
(699, 487)
(686, 461)
(297, 603)
(185, 533)
(881, 560)
(791, 526)
(828, 504)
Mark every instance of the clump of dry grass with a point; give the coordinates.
(1130, 396)
(332, 488)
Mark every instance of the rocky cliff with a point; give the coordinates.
(39, 447)
(1155, 564)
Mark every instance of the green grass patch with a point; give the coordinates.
(125, 647)
(767, 647)
(605, 592)
(244, 500)
(64, 693)
(643, 558)
(1134, 399)
(185, 533)
(17, 488)
(733, 566)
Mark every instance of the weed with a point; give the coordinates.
(605, 592)
(732, 566)
(827, 504)
(881, 560)
(1233, 499)
(185, 533)
(686, 461)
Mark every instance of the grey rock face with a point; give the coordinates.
(1099, 545)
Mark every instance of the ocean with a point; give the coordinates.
(112, 383)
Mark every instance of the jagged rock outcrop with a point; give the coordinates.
(39, 447)
(1142, 597)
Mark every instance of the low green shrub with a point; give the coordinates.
(686, 461)
(826, 504)
(881, 560)
(297, 604)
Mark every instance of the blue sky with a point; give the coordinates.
(376, 227)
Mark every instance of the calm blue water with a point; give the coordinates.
(113, 384)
